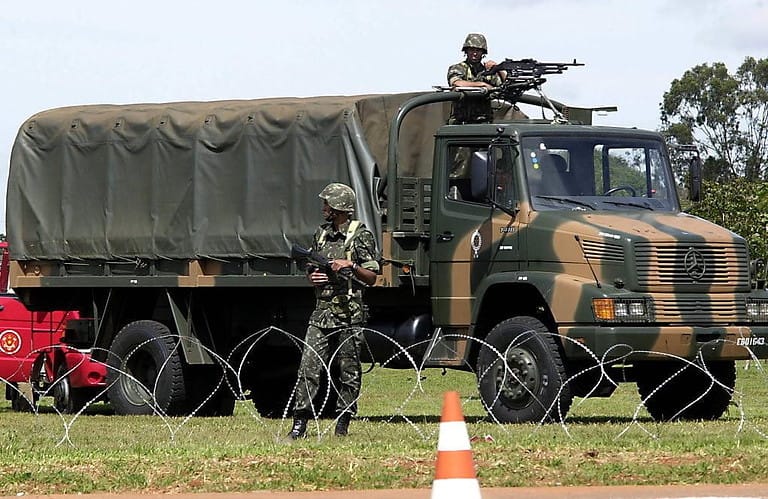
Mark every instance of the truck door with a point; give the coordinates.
(470, 237)
(15, 339)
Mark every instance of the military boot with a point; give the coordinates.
(342, 425)
(299, 429)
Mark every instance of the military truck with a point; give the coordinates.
(549, 256)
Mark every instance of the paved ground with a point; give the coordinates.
(627, 492)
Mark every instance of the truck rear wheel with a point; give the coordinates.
(214, 395)
(268, 374)
(677, 390)
(274, 394)
(271, 400)
(145, 372)
(523, 379)
(221, 404)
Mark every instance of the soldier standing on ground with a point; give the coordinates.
(335, 327)
(467, 74)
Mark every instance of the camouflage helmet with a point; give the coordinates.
(340, 197)
(475, 41)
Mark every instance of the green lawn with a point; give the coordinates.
(391, 445)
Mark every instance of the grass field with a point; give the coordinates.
(392, 445)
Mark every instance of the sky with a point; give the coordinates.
(55, 53)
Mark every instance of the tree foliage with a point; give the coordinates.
(725, 114)
(740, 206)
(621, 172)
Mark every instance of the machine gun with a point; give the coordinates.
(521, 75)
(524, 75)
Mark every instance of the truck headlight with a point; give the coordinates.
(757, 310)
(623, 309)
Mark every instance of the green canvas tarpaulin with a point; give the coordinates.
(200, 179)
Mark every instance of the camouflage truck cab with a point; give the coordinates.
(561, 264)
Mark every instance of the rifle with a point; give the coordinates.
(524, 75)
(318, 261)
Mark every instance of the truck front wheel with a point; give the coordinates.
(521, 377)
(678, 390)
(145, 372)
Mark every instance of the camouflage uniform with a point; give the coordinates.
(472, 110)
(335, 325)
(468, 72)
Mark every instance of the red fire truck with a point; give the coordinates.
(38, 359)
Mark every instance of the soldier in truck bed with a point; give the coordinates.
(335, 324)
(466, 74)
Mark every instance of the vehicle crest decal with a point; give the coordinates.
(10, 341)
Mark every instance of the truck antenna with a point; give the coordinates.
(578, 241)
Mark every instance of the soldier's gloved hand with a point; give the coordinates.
(318, 278)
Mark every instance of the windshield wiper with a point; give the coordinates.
(630, 203)
(563, 199)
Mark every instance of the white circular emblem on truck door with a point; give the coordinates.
(476, 241)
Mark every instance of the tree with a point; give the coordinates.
(753, 75)
(726, 115)
(741, 206)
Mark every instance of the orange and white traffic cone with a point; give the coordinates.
(455, 471)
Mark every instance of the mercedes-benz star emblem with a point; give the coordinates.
(695, 265)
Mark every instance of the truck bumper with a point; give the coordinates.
(656, 342)
(85, 372)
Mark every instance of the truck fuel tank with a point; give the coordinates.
(390, 343)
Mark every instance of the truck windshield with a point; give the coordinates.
(598, 173)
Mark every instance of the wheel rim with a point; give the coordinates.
(518, 382)
(61, 393)
(140, 375)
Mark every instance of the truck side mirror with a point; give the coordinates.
(694, 173)
(478, 174)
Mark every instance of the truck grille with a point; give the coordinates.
(603, 251)
(694, 266)
(702, 310)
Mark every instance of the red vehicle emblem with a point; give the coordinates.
(10, 341)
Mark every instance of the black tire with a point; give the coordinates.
(271, 399)
(669, 388)
(269, 373)
(145, 371)
(221, 404)
(66, 399)
(531, 388)
(213, 396)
